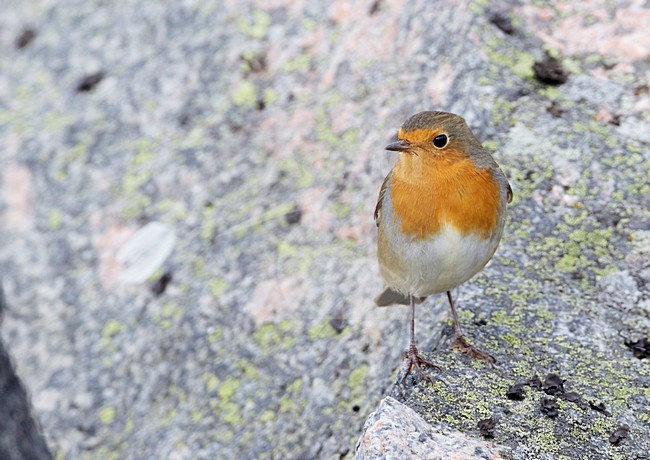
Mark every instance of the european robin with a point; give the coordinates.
(440, 215)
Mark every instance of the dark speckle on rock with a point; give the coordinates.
(516, 392)
(184, 119)
(338, 324)
(160, 285)
(25, 38)
(607, 217)
(621, 433)
(521, 92)
(535, 382)
(549, 407)
(293, 216)
(641, 89)
(255, 63)
(375, 7)
(576, 275)
(573, 397)
(503, 22)
(486, 427)
(640, 348)
(90, 81)
(550, 71)
(555, 109)
(553, 385)
(616, 120)
(342, 182)
(599, 407)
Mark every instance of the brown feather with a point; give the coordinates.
(380, 199)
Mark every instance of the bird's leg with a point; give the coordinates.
(459, 341)
(412, 355)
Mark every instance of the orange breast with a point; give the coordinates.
(430, 192)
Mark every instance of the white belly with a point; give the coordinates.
(439, 264)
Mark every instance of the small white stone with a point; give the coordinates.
(145, 252)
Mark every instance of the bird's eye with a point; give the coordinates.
(440, 141)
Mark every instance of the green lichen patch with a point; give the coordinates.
(107, 415)
(358, 375)
(577, 246)
(300, 63)
(245, 94)
(502, 55)
(210, 381)
(282, 334)
(169, 314)
(56, 219)
(218, 287)
(524, 340)
(322, 330)
(111, 329)
(256, 26)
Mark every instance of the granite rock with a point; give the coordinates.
(396, 431)
(257, 336)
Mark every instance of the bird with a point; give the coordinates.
(440, 215)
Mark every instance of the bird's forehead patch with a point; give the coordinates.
(417, 136)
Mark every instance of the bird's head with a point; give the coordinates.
(435, 133)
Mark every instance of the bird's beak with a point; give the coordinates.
(399, 146)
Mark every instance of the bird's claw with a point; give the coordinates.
(417, 362)
(464, 347)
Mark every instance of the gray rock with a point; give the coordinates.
(218, 119)
(395, 431)
(620, 288)
(20, 435)
(596, 91)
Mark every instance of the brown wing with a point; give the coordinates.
(380, 200)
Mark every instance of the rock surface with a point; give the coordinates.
(254, 132)
(396, 431)
(20, 436)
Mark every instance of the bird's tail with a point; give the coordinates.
(391, 297)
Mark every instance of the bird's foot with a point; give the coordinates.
(417, 362)
(464, 347)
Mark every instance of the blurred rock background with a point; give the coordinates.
(253, 133)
